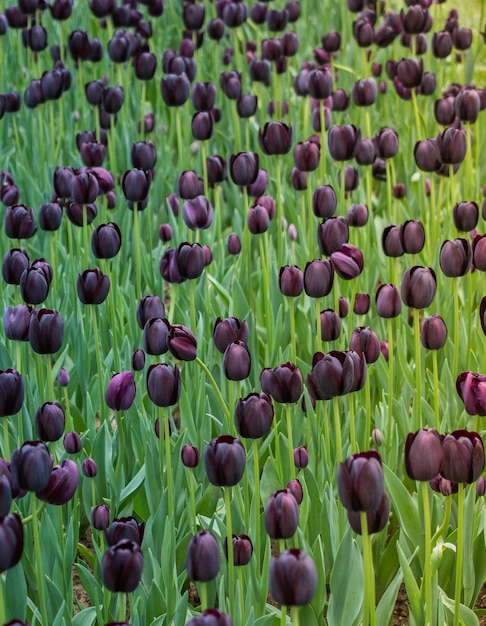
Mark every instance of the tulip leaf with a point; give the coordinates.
(468, 573)
(466, 616)
(132, 486)
(346, 584)
(404, 506)
(270, 481)
(15, 592)
(413, 591)
(385, 607)
(86, 617)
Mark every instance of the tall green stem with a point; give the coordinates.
(98, 360)
(290, 440)
(138, 266)
(38, 560)
(436, 389)
(428, 554)
(455, 292)
(280, 215)
(391, 380)
(368, 571)
(459, 551)
(256, 500)
(231, 565)
(292, 331)
(418, 370)
(3, 614)
(215, 387)
(337, 430)
(168, 466)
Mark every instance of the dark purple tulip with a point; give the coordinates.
(479, 252)
(46, 331)
(441, 44)
(93, 286)
(281, 515)
(254, 415)
(301, 457)
(340, 100)
(462, 38)
(361, 304)
(89, 468)
(415, 20)
(202, 125)
(423, 454)
(455, 257)
(336, 374)
(451, 145)
(215, 29)
(348, 261)
(12, 541)
(360, 481)
(237, 361)
(291, 280)
(120, 392)
(433, 332)
(168, 267)
(246, 105)
(143, 155)
(344, 142)
(412, 236)
(386, 143)
(230, 83)
(295, 488)
(125, 528)
(224, 461)
(49, 421)
(72, 442)
(211, 617)
(155, 333)
(463, 460)
(84, 188)
(409, 72)
(426, 155)
(189, 185)
(467, 105)
(164, 384)
(182, 343)
(465, 216)
(31, 466)
(145, 64)
(5, 496)
(298, 179)
(332, 234)
(50, 216)
(12, 392)
(148, 308)
(364, 92)
(175, 89)
(330, 325)
(136, 184)
(275, 138)
(19, 222)
(293, 578)
(306, 156)
(16, 322)
(234, 14)
(444, 110)
(471, 388)
(34, 285)
(14, 263)
(193, 15)
(165, 232)
(244, 168)
(283, 383)
(419, 285)
(197, 213)
(75, 213)
(217, 169)
(203, 557)
(363, 32)
(100, 517)
(318, 278)
(351, 176)
(62, 378)
(343, 307)
(122, 566)
(106, 241)
(112, 99)
(63, 482)
(242, 549)
(258, 219)
(320, 83)
(203, 96)
(364, 340)
(190, 260)
(357, 215)
(234, 244)
(228, 331)
(190, 456)
(376, 520)
(387, 301)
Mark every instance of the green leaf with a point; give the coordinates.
(86, 617)
(413, 591)
(132, 486)
(15, 592)
(466, 616)
(385, 607)
(346, 599)
(405, 507)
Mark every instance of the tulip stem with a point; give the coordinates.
(178, 116)
(241, 590)
(418, 370)
(352, 429)
(138, 268)
(327, 434)
(283, 615)
(322, 129)
(337, 429)
(168, 465)
(290, 440)
(369, 574)
(192, 511)
(435, 368)
(231, 567)
(85, 236)
(280, 216)
(121, 447)
(445, 521)
(6, 441)
(204, 150)
(203, 595)
(459, 551)
(295, 616)
(3, 615)
(97, 338)
(427, 582)
(342, 188)
(310, 215)
(116, 356)
(122, 608)
(266, 285)
(256, 500)
(318, 323)
(215, 387)
(368, 415)
(38, 560)
(456, 328)
(391, 365)
(292, 330)
(192, 306)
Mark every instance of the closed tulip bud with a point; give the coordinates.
(100, 517)
(301, 458)
(190, 260)
(360, 481)
(136, 184)
(412, 236)
(462, 38)
(155, 333)
(12, 392)
(237, 361)
(275, 138)
(11, 540)
(234, 244)
(441, 44)
(357, 215)
(306, 156)
(168, 267)
(149, 307)
(224, 461)
(387, 301)
(244, 168)
(34, 284)
(293, 578)
(122, 566)
(324, 201)
(419, 285)
(283, 383)
(376, 520)
(479, 252)
(465, 216)
(19, 222)
(281, 515)
(426, 156)
(197, 213)
(348, 261)
(14, 263)
(320, 83)
(364, 92)
(451, 145)
(203, 557)
(202, 125)
(75, 212)
(351, 175)
(143, 155)
(211, 617)
(423, 454)
(138, 360)
(93, 286)
(181, 342)
(444, 110)
(363, 32)
(471, 388)
(50, 216)
(228, 331)
(254, 415)
(463, 460)
(365, 341)
(318, 278)
(190, 456)
(106, 241)
(31, 466)
(46, 331)
(332, 234)
(189, 185)
(63, 482)
(120, 392)
(335, 374)
(125, 528)
(330, 325)
(165, 232)
(455, 257)
(16, 321)
(89, 468)
(258, 219)
(242, 549)
(433, 332)
(344, 142)
(481, 486)
(49, 421)
(291, 280)
(164, 384)
(72, 442)
(294, 486)
(409, 72)
(361, 304)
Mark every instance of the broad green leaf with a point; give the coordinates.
(346, 599)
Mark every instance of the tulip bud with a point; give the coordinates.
(291, 280)
(120, 392)
(106, 241)
(332, 234)
(31, 466)
(234, 244)
(347, 261)
(283, 383)
(254, 415)
(149, 307)
(244, 168)
(190, 456)
(364, 340)
(93, 286)
(203, 557)
(11, 540)
(242, 549)
(164, 384)
(72, 442)
(463, 460)
(237, 361)
(12, 392)
(293, 578)
(412, 236)
(182, 343)
(89, 468)
(49, 421)
(388, 301)
(361, 482)
(100, 517)
(318, 278)
(465, 216)
(224, 461)
(14, 263)
(46, 331)
(471, 388)
(301, 457)
(330, 325)
(361, 304)
(121, 566)
(281, 515)
(63, 482)
(423, 454)
(211, 617)
(344, 141)
(433, 332)
(324, 201)
(419, 285)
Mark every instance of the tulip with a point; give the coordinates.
(190, 260)
(165, 232)
(361, 482)
(283, 383)
(419, 285)
(387, 301)
(5, 496)
(211, 617)
(365, 341)
(275, 138)
(330, 325)
(224, 461)
(164, 384)
(258, 219)
(318, 278)
(121, 566)
(426, 156)
(49, 421)
(344, 142)
(234, 244)
(34, 285)
(324, 201)
(230, 83)
(168, 267)
(89, 468)
(106, 241)
(364, 92)
(293, 578)
(19, 222)
(63, 377)
(100, 517)
(295, 488)
(31, 466)
(203, 557)
(242, 549)
(320, 83)
(281, 515)
(347, 261)
(136, 184)
(412, 236)
(181, 342)
(72, 442)
(197, 213)
(465, 216)
(11, 540)
(120, 392)
(357, 215)
(12, 392)
(463, 460)
(335, 374)
(423, 454)
(50, 216)
(189, 185)
(291, 280)
(332, 234)
(254, 415)
(149, 307)
(155, 334)
(75, 212)
(471, 388)
(479, 252)
(451, 145)
(376, 520)
(410, 72)
(63, 482)
(14, 263)
(228, 331)
(125, 528)
(46, 331)
(361, 304)
(301, 457)
(391, 241)
(433, 332)
(306, 156)
(444, 110)
(93, 286)
(84, 188)
(190, 456)
(237, 361)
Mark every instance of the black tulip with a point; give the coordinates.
(122, 566)
(190, 456)
(164, 384)
(19, 222)
(412, 236)
(229, 330)
(254, 415)
(463, 460)
(31, 466)
(15, 262)
(63, 482)
(275, 138)
(318, 278)
(125, 528)
(455, 257)
(224, 461)
(283, 383)
(451, 145)
(293, 578)
(46, 331)
(419, 285)
(465, 216)
(175, 89)
(203, 557)
(12, 540)
(281, 515)
(49, 421)
(344, 141)
(244, 168)
(12, 392)
(376, 520)
(387, 299)
(433, 332)
(365, 341)
(360, 481)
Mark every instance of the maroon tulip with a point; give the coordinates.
(433, 332)
(122, 566)
(376, 520)
(164, 384)
(423, 454)
(281, 515)
(283, 383)
(318, 278)
(465, 216)
(463, 460)
(455, 257)
(330, 325)
(419, 285)
(344, 142)
(293, 578)
(120, 392)
(365, 341)
(254, 415)
(291, 280)
(224, 461)
(348, 261)
(332, 234)
(387, 301)
(181, 343)
(335, 374)
(361, 482)
(275, 138)
(93, 286)
(12, 541)
(471, 388)
(237, 361)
